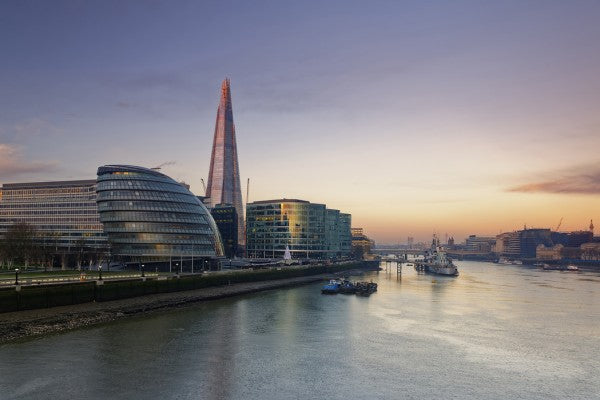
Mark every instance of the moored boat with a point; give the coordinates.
(436, 261)
(333, 287)
(365, 288)
(347, 287)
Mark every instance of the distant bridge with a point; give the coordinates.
(398, 252)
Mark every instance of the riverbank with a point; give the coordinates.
(31, 323)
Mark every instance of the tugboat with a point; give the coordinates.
(333, 287)
(436, 261)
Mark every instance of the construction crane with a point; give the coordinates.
(559, 223)
(248, 191)
(163, 165)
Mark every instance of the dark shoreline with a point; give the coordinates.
(19, 325)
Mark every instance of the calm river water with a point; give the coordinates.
(495, 332)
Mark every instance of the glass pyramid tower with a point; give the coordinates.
(224, 175)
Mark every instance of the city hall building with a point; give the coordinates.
(129, 215)
(307, 229)
(154, 220)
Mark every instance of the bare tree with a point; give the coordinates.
(19, 244)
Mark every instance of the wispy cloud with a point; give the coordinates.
(13, 164)
(581, 179)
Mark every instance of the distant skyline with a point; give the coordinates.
(416, 117)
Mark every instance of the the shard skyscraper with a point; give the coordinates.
(224, 176)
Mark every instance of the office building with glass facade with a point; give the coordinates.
(309, 230)
(150, 218)
(63, 213)
(225, 216)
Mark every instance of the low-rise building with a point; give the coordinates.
(361, 243)
(590, 251)
(549, 253)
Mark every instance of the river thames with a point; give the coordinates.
(494, 332)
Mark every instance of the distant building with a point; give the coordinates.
(480, 244)
(361, 243)
(590, 251)
(225, 216)
(64, 213)
(309, 230)
(150, 218)
(530, 239)
(549, 253)
(508, 244)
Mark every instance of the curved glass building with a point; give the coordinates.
(148, 217)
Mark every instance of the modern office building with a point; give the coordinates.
(307, 229)
(150, 218)
(345, 234)
(64, 214)
(224, 175)
(225, 216)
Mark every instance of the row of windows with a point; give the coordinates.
(142, 185)
(52, 227)
(49, 191)
(146, 195)
(45, 204)
(143, 227)
(149, 205)
(142, 216)
(159, 239)
(49, 220)
(73, 213)
(175, 250)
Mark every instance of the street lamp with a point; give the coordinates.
(16, 276)
(177, 269)
(143, 271)
(99, 272)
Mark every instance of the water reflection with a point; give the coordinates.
(493, 332)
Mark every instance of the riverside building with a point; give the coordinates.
(152, 220)
(308, 230)
(64, 214)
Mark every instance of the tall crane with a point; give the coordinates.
(559, 223)
(163, 165)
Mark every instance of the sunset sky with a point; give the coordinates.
(463, 117)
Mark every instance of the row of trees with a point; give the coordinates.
(24, 246)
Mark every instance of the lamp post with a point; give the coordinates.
(177, 269)
(100, 272)
(143, 271)
(16, 276)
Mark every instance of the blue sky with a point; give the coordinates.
(416, 117)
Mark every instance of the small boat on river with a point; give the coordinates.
(333, 287)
